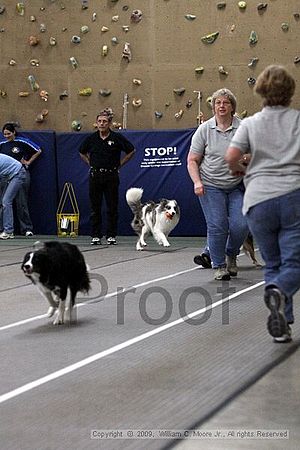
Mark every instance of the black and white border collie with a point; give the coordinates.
(156, 218)
(55, 268)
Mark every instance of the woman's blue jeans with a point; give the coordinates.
(275, 225)
(226, 226)
(10, 193)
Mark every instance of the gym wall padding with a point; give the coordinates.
(159, 167)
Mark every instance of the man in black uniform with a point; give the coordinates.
(102, 152)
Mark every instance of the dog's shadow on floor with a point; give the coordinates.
(67, 327)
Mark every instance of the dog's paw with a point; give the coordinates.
(59, 320)
(166, 244)
(51, 311)
(139, 248)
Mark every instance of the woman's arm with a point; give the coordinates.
(193, 163)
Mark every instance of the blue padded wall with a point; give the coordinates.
(159, 167)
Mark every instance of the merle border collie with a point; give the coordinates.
(55, 268)
(156, 218)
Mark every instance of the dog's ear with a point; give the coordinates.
(38, 245)
(163, 202)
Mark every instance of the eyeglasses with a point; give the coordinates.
(222, 102)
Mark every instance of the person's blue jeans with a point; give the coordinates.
(22, 206)
(275, 225)
(226, 226)
(10, 193)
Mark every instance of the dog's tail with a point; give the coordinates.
(133, 198)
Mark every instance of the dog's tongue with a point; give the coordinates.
(169, 216)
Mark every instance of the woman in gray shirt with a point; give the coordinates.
(219, 192)
(272, 198)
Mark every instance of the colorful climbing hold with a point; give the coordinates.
(210, 38)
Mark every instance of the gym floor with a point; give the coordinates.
(161, 356)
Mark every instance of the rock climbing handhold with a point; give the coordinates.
(115, 18)
(222, 70)
(190, 16)
(84, 4)
(23, 94)
(209, 101)
(2, 9)
(34, 62)
(297, 59)
(52, 41)
(253, 38)
(94, 17)
(179, 114)
(285, 26)
(158, 114)
(104, 50)
(12, 62)
(104, 29)
(137, 81)
(253, 62)
(296, 16)
(137, 102)
(20, 8)
(262, 6)
(76, 39)
(189, 104)
(76, 125)
(32, 19)
(3, 93)
(44, 95)
(221, 5)
(243, 114)
(84, 29)
(85, 92)
(199, 70)
(125, 28)
(179, 91)
(136, 15)
(242, 5)
(33, 41)
(127, 52)
(40, 117)
(104, 92)
(114, 40)
(210, 38)
(63, 95)
(73, 62)
(33, 83)
(251, 81)
(43, 28)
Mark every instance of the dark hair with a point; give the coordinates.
(275, 85)
(10, 127)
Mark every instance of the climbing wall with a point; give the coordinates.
(64, 60)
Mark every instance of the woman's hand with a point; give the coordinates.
(198, 189)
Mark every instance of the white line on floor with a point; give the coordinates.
(116, 348)
(103, 297)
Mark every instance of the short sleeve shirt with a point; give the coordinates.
(19, 148)
(211, 142)
(105, 153)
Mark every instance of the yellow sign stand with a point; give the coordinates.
(67, 222)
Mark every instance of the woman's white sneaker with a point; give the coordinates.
(5, 235)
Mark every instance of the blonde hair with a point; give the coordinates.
(275, 85)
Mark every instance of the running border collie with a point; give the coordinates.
(55, 268)
(156, 218)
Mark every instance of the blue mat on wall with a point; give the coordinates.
(159, 167)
